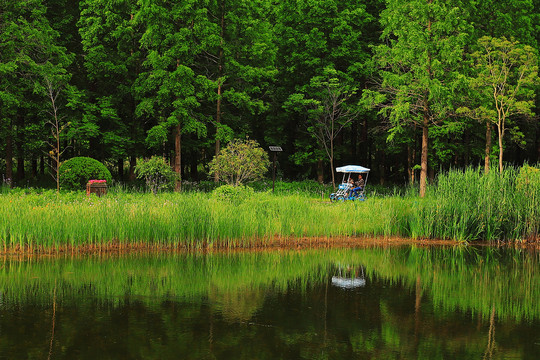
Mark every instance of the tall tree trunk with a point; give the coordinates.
(220, 81)
(177, 157)
(488, 147)
(332, 161)
(425, 126)
(20, 150)
(424, 156)
(132, 165)
(320, 171)
(218, 122)
(34, 167)
(410, 163)
(500, 132)
(9, 156)
(57, 156)
(121, 169)
(193, 166)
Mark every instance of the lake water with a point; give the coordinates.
(373, 303)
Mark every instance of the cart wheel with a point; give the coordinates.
(332, 197)
(341, 198)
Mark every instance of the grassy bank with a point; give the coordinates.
(465, 206)
(188, 219)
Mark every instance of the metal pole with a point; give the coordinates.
(274, 173)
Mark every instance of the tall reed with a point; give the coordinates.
(471, 205)
(462, 205)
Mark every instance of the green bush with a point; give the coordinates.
(528, 181)
(75, 172)
(241, 161)
(233, 193)
(157, 174)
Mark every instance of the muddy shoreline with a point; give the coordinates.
(274, 244)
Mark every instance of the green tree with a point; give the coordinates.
(513, 19)
(112, 57)
(29, 53)
(53, 89)
(327, 100)
(240, 62)
(418, 67)
(313, 37)
(168, 89)
(240, 161)
(506, 75)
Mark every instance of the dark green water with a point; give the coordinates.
(377, 303)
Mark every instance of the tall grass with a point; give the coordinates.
(462, 205)
(470, 205)
(193, 219)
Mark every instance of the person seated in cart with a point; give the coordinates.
(359, 185)
(350, 186)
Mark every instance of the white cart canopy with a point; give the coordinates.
(352, 169)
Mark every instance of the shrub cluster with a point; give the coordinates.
(157, 174)
(233, 193)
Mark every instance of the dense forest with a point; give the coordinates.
(407, 88)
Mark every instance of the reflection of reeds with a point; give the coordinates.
(464, 206)
(465, 278)
(461, 278)
(46, 281)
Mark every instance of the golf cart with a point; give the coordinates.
(345, 189)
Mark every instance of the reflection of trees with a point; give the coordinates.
(263, 307)
(491, 336)
(238, 305)
(467, 279)
(53, 321)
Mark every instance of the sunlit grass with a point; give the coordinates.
(464, 206)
